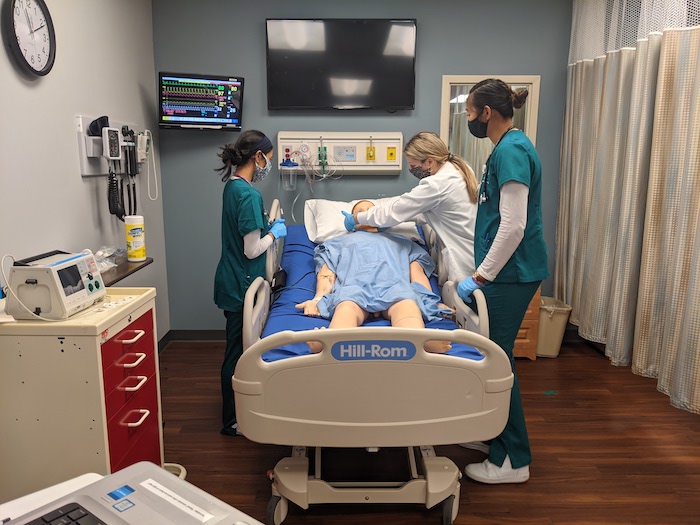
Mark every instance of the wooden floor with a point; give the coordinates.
(607, 448)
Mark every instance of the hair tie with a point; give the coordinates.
(450, 157)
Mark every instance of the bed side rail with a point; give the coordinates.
(272, 263)
(465, 317)
(256, 306)
(372, 387)
(434, 246)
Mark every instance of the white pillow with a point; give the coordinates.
(324, 219)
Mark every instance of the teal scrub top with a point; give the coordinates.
(243, 212)
(514, 159)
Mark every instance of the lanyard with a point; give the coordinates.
(235, 176)
(483, 197)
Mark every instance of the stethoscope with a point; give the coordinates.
(483, 196)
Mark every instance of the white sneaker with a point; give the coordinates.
(487, 472)
(476, 445)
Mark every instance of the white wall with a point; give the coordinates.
(104, 66)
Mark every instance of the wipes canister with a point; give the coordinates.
(135, 238)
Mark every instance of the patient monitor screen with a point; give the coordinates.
(70, 280)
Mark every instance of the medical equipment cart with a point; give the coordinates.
(80, 395)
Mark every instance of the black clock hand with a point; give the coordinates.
(37, 29)
(29, 23)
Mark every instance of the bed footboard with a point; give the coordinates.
(372, 387)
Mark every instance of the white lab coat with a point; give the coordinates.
(442, 201)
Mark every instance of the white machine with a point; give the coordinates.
(142, 493)
(54, 285)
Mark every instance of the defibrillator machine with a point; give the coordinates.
(54, 285)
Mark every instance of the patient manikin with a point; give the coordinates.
(374, 273)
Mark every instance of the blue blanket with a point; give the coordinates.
(372, 270)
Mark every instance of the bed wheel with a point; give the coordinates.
(447, 505)
(276, 510)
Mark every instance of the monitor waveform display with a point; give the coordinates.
(204, 101)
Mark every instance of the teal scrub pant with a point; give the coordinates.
(234, 349)
(507, 304)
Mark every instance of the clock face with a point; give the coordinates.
(34, 44)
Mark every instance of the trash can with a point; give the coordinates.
(554, 314)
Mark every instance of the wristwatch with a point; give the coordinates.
(478, 278)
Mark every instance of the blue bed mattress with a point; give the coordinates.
(297, 262)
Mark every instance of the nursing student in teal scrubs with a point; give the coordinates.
(510, 255)
(245, 237)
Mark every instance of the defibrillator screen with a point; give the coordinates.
(70, 280)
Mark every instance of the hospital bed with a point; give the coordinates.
(371, 388)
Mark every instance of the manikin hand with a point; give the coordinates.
(310, 307)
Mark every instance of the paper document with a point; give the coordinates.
(5, 318)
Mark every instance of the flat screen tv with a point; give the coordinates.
(200, 101)
(341, 63)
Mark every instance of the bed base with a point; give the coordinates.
(432, 481)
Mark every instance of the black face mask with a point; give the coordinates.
(419, 172)
(478, 129)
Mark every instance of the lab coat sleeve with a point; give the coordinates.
(406, 207)
(513, 211)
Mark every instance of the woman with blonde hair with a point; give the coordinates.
(445, 199)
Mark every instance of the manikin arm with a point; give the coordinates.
(325, 279)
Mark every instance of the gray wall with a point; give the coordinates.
(45, 204)
(500, 37)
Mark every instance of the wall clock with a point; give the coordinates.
(30, 35)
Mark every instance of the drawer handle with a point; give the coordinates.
(139, 335)
(141, 357)
(144, 414)
(142, 381)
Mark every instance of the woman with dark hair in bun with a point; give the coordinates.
(510, 255)
(245, 237)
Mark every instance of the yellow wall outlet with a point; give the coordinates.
(371, 154)
(391, 153)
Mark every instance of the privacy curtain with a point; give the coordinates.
(628, 232)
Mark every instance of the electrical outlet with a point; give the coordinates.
(371, 153)
(391, 153)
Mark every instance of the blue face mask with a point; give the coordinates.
(261, 173)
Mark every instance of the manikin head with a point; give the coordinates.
(361, 206)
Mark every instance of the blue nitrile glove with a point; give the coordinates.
(349, 221)
(465, 289)
(278, 229)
